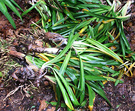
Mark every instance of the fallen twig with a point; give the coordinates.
(12, 92)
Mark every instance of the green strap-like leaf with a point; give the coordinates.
(94, 78)
(71, 73)
(62, 26)
(98, 90)
(105, 49)
(84, 23)
(28, 10)
(69, 90)
(68, 13)
(91, 97)
(64, 93)
(60, 21)
(53, 17)
(3, 9)
(82, 80)
(65, 63)
(16, 5)
(11, 6)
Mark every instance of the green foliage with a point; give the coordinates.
(1, 74)
(86, 62)
(11, 4)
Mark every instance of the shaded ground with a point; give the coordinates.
(27, 97)
(122, 97)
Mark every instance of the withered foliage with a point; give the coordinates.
(31, 42)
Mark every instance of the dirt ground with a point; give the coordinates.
(27, 97)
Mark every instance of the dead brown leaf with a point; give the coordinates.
(13, 52)
(43, 105)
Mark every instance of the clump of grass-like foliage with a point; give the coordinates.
(96, 44)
